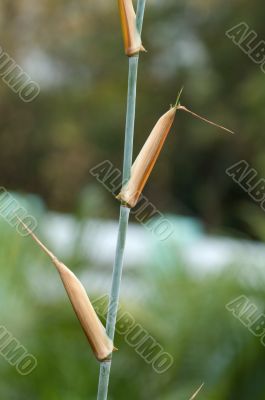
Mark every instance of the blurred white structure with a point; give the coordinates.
(146, 258)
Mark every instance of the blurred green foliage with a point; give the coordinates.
(186, 315)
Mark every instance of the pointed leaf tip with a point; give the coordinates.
(179, 107)
(197, 392)
(37, 240)
(178, 97)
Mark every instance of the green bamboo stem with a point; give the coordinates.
(114, 299)
(124, 211)
(130, 118)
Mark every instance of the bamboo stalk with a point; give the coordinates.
(124, 211)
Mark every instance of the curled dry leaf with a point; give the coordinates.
(131, 37)
(95, 332)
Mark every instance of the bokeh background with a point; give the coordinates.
(177, 289)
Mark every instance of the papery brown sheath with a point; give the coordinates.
(146, 159)
(131, 37)
(95, 332)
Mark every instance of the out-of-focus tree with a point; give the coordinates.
(74, 50)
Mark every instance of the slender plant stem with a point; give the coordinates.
(114, 299)
(124, 211)
(130, 118)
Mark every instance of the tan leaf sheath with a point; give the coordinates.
(131, 37)
(146, 159)
(95, 332)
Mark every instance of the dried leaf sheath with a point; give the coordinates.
(146, 159)
(131, 37)
(95, 332)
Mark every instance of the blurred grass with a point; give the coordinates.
(187, 316)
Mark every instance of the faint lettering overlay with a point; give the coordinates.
(137, 337)
(15, 353)
(249, 315)
(17, 79)
(248, 41)
(247, 178)
(145, 212)
(11, 210)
